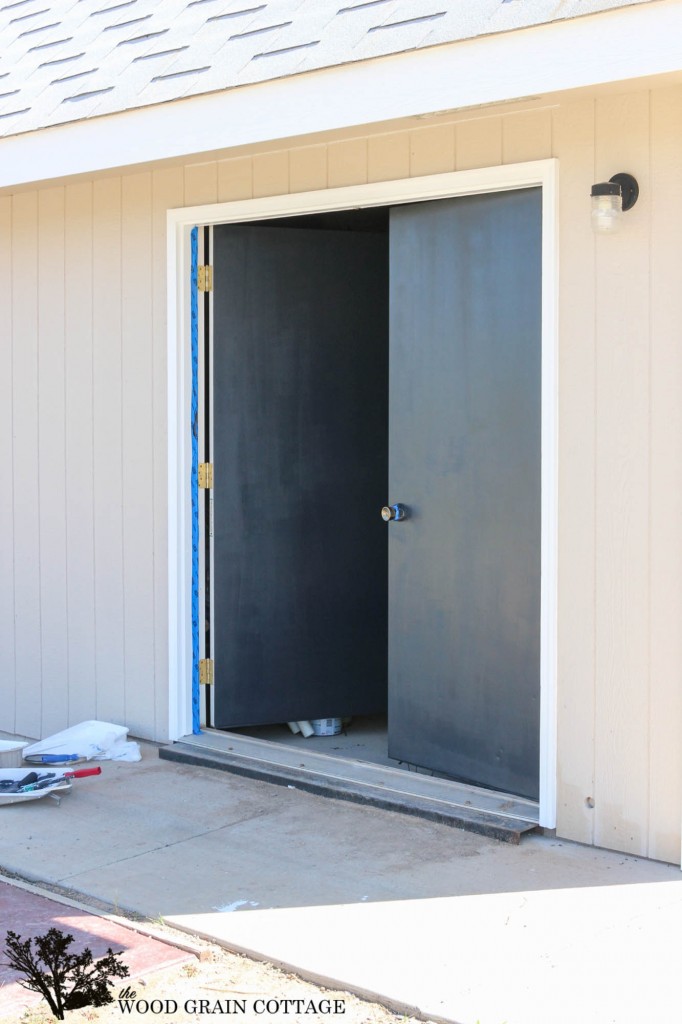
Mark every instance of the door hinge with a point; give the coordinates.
(206, 475)
(205, 279)
(206, 671)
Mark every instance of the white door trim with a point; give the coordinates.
(543, 173)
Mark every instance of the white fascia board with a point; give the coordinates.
(627, 43)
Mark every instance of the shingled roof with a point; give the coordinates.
(66, 60)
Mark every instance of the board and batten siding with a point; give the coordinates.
(83, 583)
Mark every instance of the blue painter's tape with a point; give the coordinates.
(194, 481)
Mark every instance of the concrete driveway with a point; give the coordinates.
(420, 915)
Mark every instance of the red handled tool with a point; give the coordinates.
(52, 779)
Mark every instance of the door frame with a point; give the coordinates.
(542, 173)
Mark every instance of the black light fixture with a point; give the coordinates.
(610, 199)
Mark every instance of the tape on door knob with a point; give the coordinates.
(393, 512)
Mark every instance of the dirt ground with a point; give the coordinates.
(220, 985)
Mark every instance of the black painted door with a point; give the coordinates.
(464, 578)
(300, 456)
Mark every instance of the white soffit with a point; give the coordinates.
(628, 42)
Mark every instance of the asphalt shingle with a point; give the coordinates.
(70, 59)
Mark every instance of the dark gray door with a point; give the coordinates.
(464, 578)
(300, 439)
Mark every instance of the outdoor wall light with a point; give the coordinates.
(610, 199)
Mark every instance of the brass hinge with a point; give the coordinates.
(206, 671)
(205, 279)
(206, 475)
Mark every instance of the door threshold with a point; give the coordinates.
(495, 815)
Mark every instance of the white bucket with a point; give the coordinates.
(326, 726)
(11, 753)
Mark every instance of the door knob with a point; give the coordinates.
(395, 512)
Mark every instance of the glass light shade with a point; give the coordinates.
(607, 213)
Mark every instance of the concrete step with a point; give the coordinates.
(496, 816)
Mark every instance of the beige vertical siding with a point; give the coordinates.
(479, 143)
(388, 157)
(235, 178)
(8, 694)
(527, 136)
(573, 128)
(83, 578)
(623, 494)
(432, 150)
(138, 449)
(346, 163)
(78, 352)
(107, 385)
(24, 472)
(51, 383)
(270, 174)
(83, 438)
(665, 476)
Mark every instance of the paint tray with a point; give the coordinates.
(14, 774)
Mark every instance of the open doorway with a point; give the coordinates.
(358, 358)
(301, 327)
